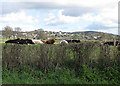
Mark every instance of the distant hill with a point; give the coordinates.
(77, 32)
(0, 32)
(87, 32)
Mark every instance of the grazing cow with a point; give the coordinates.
(37, 41)
(63, 42)
(29, 41)
(76, 41)
(43, 41)
(25, 41)
(51, 41)
(68, 41)
(111, 43)
(20, 41)
(13, 41)
(73, 41)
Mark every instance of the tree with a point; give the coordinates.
(41, 35)
(18, 29)
(83, 34)
(18, 32)
(7, 32)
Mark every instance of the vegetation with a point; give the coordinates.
(8, 32)
(83, 63)
(88, 75)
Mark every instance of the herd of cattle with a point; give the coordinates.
(34, 41)
(52, 41)
(30, 41)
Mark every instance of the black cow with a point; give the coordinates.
(76, 41)
(29, 41)
(111, 43)
(25, 41)
(20, 41)
(13, 41)
(68, 41)
(73, 41)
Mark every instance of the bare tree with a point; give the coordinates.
(18, 32)
(18, 29)
(41, 34)
(7, 32)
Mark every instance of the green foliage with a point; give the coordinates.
(41, 35)
(112, 74)
(90, 75)
(7, 32)
(83, 63)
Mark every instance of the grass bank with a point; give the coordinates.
(87, 75)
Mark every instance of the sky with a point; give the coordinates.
(60, 15)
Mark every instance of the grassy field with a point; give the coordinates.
(84, 63)
(88, 75)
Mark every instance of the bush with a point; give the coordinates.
(83, 63)
(90, 75)
(45, 56)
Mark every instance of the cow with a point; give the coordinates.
(20, 41)
(76, 41)
(73, 41)
(43, 41)
(63, 42)
(13, 41)
(51, 41)
(29, 41)
(111, 43)
(37, 41)
(68, 41)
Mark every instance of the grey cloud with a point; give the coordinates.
(69, 10)
(11, 7)
(78, 11)
(8, 7)
(43, 5)
(98, 26)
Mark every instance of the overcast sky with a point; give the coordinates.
(60, 15)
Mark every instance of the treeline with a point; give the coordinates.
(8, 33)
(12, 33)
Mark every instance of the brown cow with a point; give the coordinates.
(51, 41)
(43, 41)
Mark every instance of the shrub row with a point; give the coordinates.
(72, 56)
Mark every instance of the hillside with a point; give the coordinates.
(0, 32)
(90, 32)
(86, 32)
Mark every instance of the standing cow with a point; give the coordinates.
(73, 41)
(13, 41)
(37, 41)
(63, 42)
(111, 43)
(20, 41)
(51, 41)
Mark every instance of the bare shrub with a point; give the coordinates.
(47, 56)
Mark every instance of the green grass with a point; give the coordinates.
(70, 59)
(88, 75)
